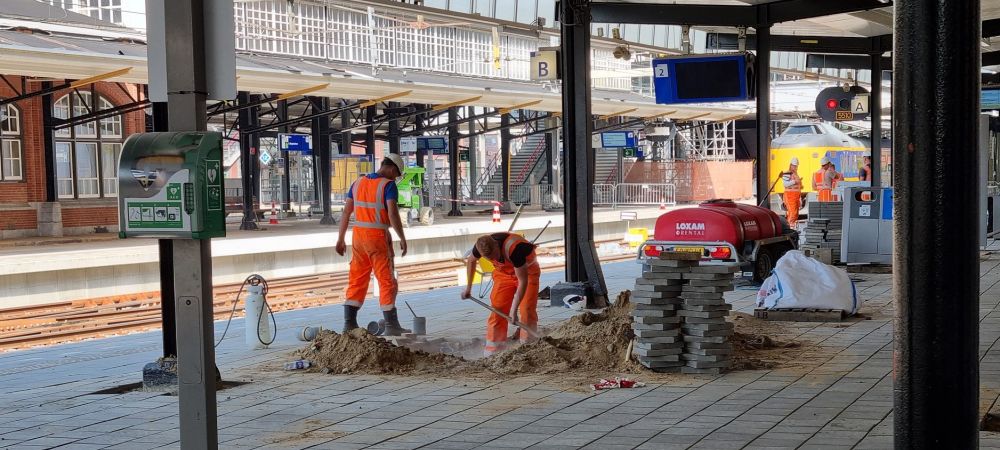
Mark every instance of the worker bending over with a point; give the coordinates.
(515, 288)
(793, 192)
(373, 200)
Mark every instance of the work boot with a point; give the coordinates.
(350, 317)
(392, 326)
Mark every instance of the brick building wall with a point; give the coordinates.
(19, 199)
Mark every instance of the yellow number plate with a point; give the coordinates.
(697, 250)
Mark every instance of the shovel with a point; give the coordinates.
(533, 333)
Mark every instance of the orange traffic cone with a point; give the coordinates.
(274, 215)
(663, 203)
(496, 213)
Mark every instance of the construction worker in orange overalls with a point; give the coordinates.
(515, 285)
(821, 181)
(373, 201)
(793, 192)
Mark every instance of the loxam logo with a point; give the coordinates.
(690, 226)
(750, 223)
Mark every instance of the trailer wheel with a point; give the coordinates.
(764, 264)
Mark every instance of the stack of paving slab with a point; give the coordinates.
(832, 213)
(821, 233)
(707, 335)
(656, 323)
(680, 314)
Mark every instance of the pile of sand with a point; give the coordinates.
(586, 342)
(360, 352)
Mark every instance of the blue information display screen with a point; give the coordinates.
(437, 145)
(701, 79)
(990, 99)
(295, 143)
(618, 139)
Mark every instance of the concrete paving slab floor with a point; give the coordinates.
(839, 397)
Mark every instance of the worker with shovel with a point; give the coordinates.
(373, 201)
(515, 289)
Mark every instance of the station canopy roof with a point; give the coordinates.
(60, 50)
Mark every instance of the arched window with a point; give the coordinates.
(87, 153)
(11, 168)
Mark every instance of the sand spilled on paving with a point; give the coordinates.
(587, 344)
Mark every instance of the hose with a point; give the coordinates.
(252, 280)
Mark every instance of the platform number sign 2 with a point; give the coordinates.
(661, 71)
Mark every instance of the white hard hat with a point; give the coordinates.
(397, 160)
(824, 161)
(795, 161)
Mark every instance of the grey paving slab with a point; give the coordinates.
(838, 397)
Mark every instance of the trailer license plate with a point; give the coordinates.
(697, 250)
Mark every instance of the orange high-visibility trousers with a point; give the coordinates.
(502, 297)
(370, 253)
(825, 195)
(793, 201)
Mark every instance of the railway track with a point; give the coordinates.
(70, 321)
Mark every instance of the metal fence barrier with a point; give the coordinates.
(635, 194)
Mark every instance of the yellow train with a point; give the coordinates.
(810, 142)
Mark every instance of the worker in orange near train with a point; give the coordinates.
(373, 201)
(822, 182)
(793, 192)
(515, 285)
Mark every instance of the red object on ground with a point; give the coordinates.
(718, 220)
(618, 382)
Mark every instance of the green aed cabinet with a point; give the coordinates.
(170, 186)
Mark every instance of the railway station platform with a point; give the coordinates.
(35, 275)
(836, 394)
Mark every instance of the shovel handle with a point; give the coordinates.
(533, 333)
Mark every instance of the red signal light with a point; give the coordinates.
(831, 104)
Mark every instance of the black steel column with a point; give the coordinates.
(582, 263)
(394, 127)
(470, 112)
(875, 111)
(321, 141)
(763, 81)
(48, 146)
(286, 180)
(255, 152)
(936, 255)
(370, 113)
(548, 162)
(504, 166)
(168, 313)
(245, 121)
(453, 138)
(346, 137)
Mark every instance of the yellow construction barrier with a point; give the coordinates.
(636, 236)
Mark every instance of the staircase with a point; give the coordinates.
(526, 162)
(606, 167)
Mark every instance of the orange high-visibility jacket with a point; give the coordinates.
(369, 203)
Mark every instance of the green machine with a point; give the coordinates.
(170, 186)
(411, 188)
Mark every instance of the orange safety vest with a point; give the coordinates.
(507, 248)
(369, 203)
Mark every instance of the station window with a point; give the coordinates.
(11, 155)
(87, 153)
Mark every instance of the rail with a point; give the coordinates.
(635, 194)
(529, 165)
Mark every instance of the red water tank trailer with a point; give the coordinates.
(754, 234)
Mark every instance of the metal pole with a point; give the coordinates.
(255, 151)
(548, 160)
(936, 82)
(370, 113)
(393, 127)
(286, 181)
(245, 122)
(582, 263)
(168, 315)
(51, 188)
(763, 81)
(875, 111)
(473, 150)
(453, 138)
(321, 140)
(505, 162)
(196, 374)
